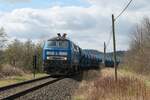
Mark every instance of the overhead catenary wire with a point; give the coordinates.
(114, 40)
(110, 35)
(123, 10)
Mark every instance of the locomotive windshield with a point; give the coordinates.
(58, 43)
(51, 44)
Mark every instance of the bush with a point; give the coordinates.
(138, 57)
(20, 54)
(7, 70)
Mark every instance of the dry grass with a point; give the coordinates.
(105, 87)
(7, 70)
(90, 75)
(10, 75)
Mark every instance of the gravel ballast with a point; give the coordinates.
(17, 89)
(61, 90)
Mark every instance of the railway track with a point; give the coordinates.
(20, 89)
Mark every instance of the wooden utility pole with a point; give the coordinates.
(114, 46)
(104, 53)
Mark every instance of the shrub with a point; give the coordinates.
(138, 56)
(7, 70)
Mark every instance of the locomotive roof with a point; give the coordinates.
(58, 38)
(61, 39)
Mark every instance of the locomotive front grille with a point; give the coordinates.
(54, 66)
(55, 62)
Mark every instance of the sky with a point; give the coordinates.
(87, 22)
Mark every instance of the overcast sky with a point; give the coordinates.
(87, 22)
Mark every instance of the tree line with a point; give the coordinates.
(138, 57)
(20, 54)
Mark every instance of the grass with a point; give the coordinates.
(145, 78)
(10, 75)
(104, 87)
(16, 79)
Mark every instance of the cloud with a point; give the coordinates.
(15, 1)
(89, 26)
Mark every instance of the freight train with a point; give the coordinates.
(62, 57)
(110, 63)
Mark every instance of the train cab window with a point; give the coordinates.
(59, 44)
(76, 49)
(51, 44)
(63, 44)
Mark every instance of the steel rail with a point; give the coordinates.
(22, 83)
(24, 92)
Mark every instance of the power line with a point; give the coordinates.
(110, 35)
(123, 10)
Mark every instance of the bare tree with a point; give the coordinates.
(138, 56)
(20, 54)
(14, 52)
(3, 38)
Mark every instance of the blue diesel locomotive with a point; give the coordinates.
(62, 56)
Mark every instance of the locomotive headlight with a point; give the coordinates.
(63, 53)
(50, 53)
(65, 58)
(48, 58)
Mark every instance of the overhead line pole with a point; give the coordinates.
(114, 40)
(114, 46)
(104, 53)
